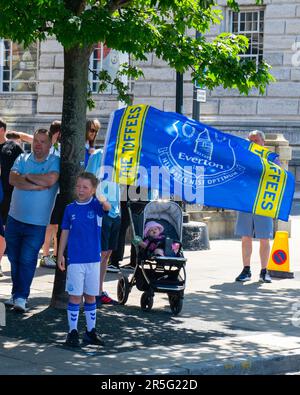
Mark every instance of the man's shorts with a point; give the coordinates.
(110, 232)
(83, 278)
(253, 225)
(58, 211)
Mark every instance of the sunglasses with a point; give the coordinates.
(93, 131)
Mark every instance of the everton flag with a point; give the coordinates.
(195, 162)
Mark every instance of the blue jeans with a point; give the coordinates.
(23, 243)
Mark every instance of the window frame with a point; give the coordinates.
(123, 57)
(11, 80)
(258, 57)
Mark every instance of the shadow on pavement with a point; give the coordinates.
(247, 307)
(226, 310)
(124, 328)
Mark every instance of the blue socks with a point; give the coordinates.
(73, 314)
(90, 315)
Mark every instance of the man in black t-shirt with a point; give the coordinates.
(9, 151)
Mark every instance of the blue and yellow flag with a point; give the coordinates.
(195, 162)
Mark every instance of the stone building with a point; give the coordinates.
(31, 80)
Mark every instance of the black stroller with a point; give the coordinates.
(164, 274)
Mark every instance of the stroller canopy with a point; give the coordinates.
(167, 211)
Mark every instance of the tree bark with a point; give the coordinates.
(76, 62)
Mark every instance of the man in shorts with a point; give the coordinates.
(250, 226)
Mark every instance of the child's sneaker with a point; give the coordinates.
(105, 299)
(73, 339)
(264, 276)
(245, 275)
(92, 337)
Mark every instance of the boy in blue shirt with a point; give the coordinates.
(81, 230)
(110, 224)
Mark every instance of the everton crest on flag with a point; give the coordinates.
(194, 162)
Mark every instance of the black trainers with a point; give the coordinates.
(92, 337)
(264, 276)
(73, 339)
(245, 275)
(113, 268)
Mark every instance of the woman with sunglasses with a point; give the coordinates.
(92, 128)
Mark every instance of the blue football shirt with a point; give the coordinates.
(84, 221)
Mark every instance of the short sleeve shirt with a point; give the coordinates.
(84, 221)
(34, 207)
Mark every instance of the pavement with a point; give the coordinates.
(224, 327)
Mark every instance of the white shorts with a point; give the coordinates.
(83, 278)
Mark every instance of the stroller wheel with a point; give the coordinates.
(146, 301)
(123, 290)
(176, 303)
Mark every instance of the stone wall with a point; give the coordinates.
(26, 112)
(279, 109)
(158, 87)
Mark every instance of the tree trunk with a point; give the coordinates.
(76, 63)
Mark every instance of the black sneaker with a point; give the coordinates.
(92, 337)
(244, 276)
(113, 268)
(264, 276)
(73, 339)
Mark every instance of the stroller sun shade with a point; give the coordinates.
(168, 211)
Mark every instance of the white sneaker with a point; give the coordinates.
(264, 277)
(10, 302)
(20, 305)
(48, 261)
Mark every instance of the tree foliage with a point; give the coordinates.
(139, 27)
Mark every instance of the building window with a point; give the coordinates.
(18, 67)
(104, 58)
(250, 23)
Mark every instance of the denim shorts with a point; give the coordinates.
(253, 225)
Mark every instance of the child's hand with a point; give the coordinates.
(142, 244)
(61, 263)
(102, 199)
(136, 240)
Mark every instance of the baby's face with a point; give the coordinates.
(153, 232)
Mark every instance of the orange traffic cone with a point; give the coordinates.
(279, 261)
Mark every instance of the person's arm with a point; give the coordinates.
(62, 246)
(105, 203)
(45, 180)
(19, 181)
(28, 138)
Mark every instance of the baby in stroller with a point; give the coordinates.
(154, 241)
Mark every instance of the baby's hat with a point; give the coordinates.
(152, 224)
